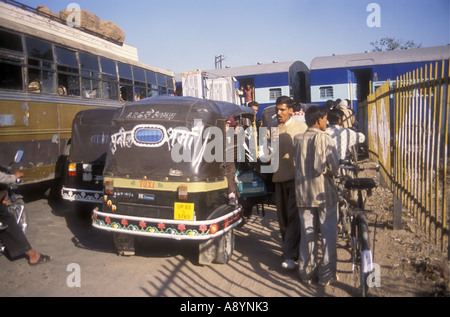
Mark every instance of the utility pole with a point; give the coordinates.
(218, 61)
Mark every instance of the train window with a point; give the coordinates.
(326, 92)
(274, 93)
(11, 41)
(39, 49)
(10, 75)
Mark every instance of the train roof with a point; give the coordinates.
(379, 58)
(250, 70)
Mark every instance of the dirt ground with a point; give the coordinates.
(411, 264)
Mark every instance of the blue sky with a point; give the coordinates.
(186, 35)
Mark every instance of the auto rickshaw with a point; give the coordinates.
(82, 177)
(165, 175)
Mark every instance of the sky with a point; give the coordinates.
(186, 35)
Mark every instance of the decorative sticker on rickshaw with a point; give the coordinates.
(165, 227)
(155, 135)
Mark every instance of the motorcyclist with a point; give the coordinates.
(13, 237)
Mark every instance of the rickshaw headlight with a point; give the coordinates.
(72, 171)
(109, 187)
(182, 192)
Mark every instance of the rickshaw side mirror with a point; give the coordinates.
(18, 156)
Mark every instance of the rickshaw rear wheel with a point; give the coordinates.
(225, 247)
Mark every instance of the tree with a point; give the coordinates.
(391, 43)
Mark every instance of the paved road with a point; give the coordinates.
(85, 263)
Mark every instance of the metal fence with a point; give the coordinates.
(406, 122)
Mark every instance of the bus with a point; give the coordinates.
(49, 71)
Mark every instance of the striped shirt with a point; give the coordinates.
(344, 139)
(316, 165)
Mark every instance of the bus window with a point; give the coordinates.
(90, 77)
(125, 82)
(161, 84)
(10, 41)
(10, 75)
(170, 85)
(152, 84)
(109, 79)
(139, 84)
(39, 49)
(41, 75)
(68, 73)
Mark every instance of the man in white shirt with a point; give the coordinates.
(345, 138)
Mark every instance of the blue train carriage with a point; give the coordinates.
(355, 76)
(268, 81)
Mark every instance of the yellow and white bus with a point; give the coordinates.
(49, 72)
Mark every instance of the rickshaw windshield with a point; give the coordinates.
(170, 138)
(91, 135)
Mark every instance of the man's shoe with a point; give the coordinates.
(329, 282)
(288, 264)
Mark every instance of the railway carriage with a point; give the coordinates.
(355, 76)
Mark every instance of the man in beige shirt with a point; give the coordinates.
(284, 180)
(316, 165)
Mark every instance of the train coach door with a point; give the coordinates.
(361, 77)
(300, 90)
(246, 90)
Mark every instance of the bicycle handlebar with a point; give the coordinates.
(346, 164)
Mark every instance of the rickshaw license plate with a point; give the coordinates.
(184, 211)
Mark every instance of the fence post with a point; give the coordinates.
(397, 213)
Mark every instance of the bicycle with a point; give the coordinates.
(353, 223)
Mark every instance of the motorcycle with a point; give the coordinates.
(17, 205)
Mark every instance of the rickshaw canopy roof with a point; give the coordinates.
(182, 109)
(91, 135)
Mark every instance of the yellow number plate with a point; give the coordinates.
(184, 211)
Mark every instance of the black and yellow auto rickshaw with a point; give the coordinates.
(82, 177)
(165, 175)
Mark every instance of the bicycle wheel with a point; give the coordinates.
(365, 255)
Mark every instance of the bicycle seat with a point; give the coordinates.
(360, 183)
